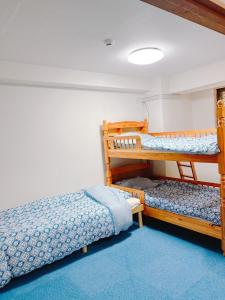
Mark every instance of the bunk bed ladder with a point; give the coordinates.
(181, 165)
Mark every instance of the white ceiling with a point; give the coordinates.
(70, 33)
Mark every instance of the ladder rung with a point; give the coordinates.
(187, 176)
(187, 166)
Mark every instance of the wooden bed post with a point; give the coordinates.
(145, 128)
(220, 97)
(108, 173)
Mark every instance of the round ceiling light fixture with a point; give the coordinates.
(145, 56)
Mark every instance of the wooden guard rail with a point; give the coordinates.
(135, 193)
(118, 142)
(124, 142)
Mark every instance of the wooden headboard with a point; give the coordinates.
(110, 129)
(143, 169)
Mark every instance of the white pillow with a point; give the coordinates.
(133, 202)
(140, 183)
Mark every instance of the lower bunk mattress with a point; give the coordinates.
(41, 232)
(179, 197)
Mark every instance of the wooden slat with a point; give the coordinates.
(125, 142)
(204, 12)
(135, 193)
(186, 166)
(184, 221)
(157, 155)
(125, 124)
(187, 176)
(129, 168)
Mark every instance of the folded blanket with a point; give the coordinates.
(115, 201)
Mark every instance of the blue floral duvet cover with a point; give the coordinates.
(192, 145)
(41, 232)
(186, 199)
(179, 197)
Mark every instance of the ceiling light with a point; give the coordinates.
(145, 56)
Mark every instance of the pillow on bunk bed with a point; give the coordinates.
(139, 183)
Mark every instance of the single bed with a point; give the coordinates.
(198, 201)
(43, 231)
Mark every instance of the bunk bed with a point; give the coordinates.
(127, 140)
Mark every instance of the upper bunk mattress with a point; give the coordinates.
(181, 198)
(192, 145)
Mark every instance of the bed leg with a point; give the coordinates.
(84, 249)
(223, 246)
(140, 221)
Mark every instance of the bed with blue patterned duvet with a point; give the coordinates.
(182, 198)
(193, 145)
(44, 231)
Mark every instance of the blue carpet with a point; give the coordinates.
(157, 262)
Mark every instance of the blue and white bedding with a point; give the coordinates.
(41, 232)
(192, 145)
(182, 198)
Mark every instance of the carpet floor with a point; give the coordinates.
(157, 262)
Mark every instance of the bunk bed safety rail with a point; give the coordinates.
(135, 193)
(124, 142)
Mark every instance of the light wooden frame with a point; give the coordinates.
(114, 146)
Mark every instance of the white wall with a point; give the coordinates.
(199, 79)
(154, 107)
(183, 112)
(44, 147)
(176, 116)
(203, 117)
(51, 141)
(203, 109)
(12, 73)
(168, 113)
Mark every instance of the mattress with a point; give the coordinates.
(183, 198)
(192, 145)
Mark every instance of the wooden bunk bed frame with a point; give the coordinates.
(116, 147)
